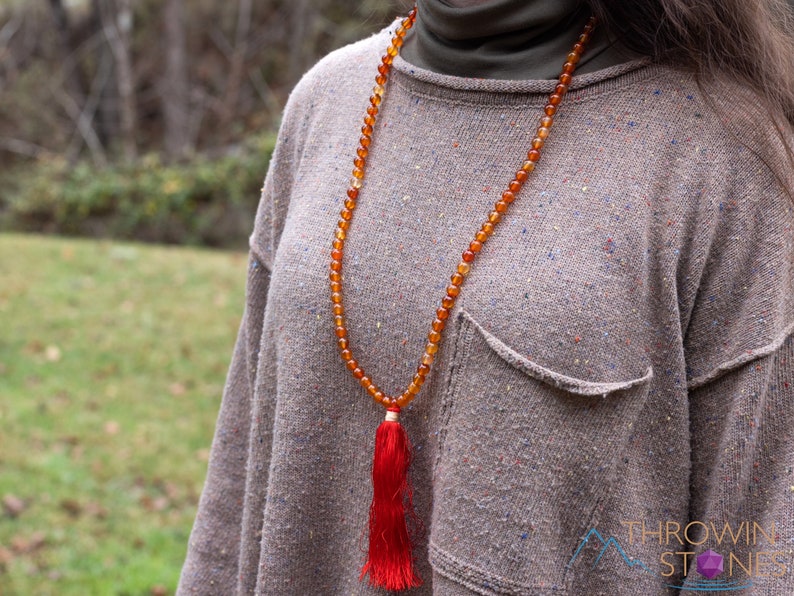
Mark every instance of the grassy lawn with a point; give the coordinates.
(112, 363)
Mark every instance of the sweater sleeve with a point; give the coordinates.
(213, 550)
(742, 478)
(219, 538)
(739, 349)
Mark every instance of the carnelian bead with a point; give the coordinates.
(346, 355)
(392, 51)
(413, 388)
(336, 254)
(419, 380)
(453, 291)
(342, 224)
(372, 389)
(463, 268)
(474, 246)
(568, 67)
(387, 59)
(383, 69)
(346, 214)
(340, 332)
(427, 358)
(366, 130)
(442, 313)
(338, 244)
(514, 187)
(560, 89)
(352, 193)
(350, 203)
(407, 23)
(337, 298)
(555, 99)
(573, 57)
(565, 78)
(468, 256)
(335, 276)
(456, 278)
(434, 336)
(380, 80)
(365, 141)
(537, 143)
(507, 197)
(358, 173)
(379, 395)
(546, 121)
(543, 132)
(336, 286)
(481, 236)
(528, 166)
(422, 370)
(448, 301)
(533, 155)
(397, 41)
(337, 309)
(550, 109)
(584, 38)
(487, 227)
(521, 176)
(493, 217)
(500, 206)
(358, 372)
(401, 31)
(431, 347)
(359, 163)
(365, 382)
(342, 342)
(339, 321)
(356, 183)
(402, 401)
(438, 324)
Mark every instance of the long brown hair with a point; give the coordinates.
(750, 41)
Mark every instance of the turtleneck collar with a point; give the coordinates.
(505, 39)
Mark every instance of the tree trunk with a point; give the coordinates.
(117, 24)
(174, 89)
(231, 95)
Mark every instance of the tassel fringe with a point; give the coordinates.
(390, 562)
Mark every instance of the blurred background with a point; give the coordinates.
(134, 139)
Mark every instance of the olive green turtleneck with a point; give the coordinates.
(505, 39)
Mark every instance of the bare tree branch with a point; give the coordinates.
(91, 104)
(84, 125)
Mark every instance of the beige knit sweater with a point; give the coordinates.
(614, 385)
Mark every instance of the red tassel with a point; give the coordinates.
(390, 562)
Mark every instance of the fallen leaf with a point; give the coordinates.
(72, 507)
(21, 544)
(52, 353)
(13, 505)
(177, 389)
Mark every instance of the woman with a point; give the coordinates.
(605, 406)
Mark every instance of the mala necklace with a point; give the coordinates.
(390, 561)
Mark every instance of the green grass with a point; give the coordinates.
(112, 363)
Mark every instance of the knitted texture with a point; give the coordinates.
(620, 353)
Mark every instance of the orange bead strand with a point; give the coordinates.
(469, 255)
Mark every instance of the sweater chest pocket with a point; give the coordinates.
(525, 455)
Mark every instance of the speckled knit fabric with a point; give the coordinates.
(614, 385)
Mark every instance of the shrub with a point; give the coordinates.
(206, 201)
